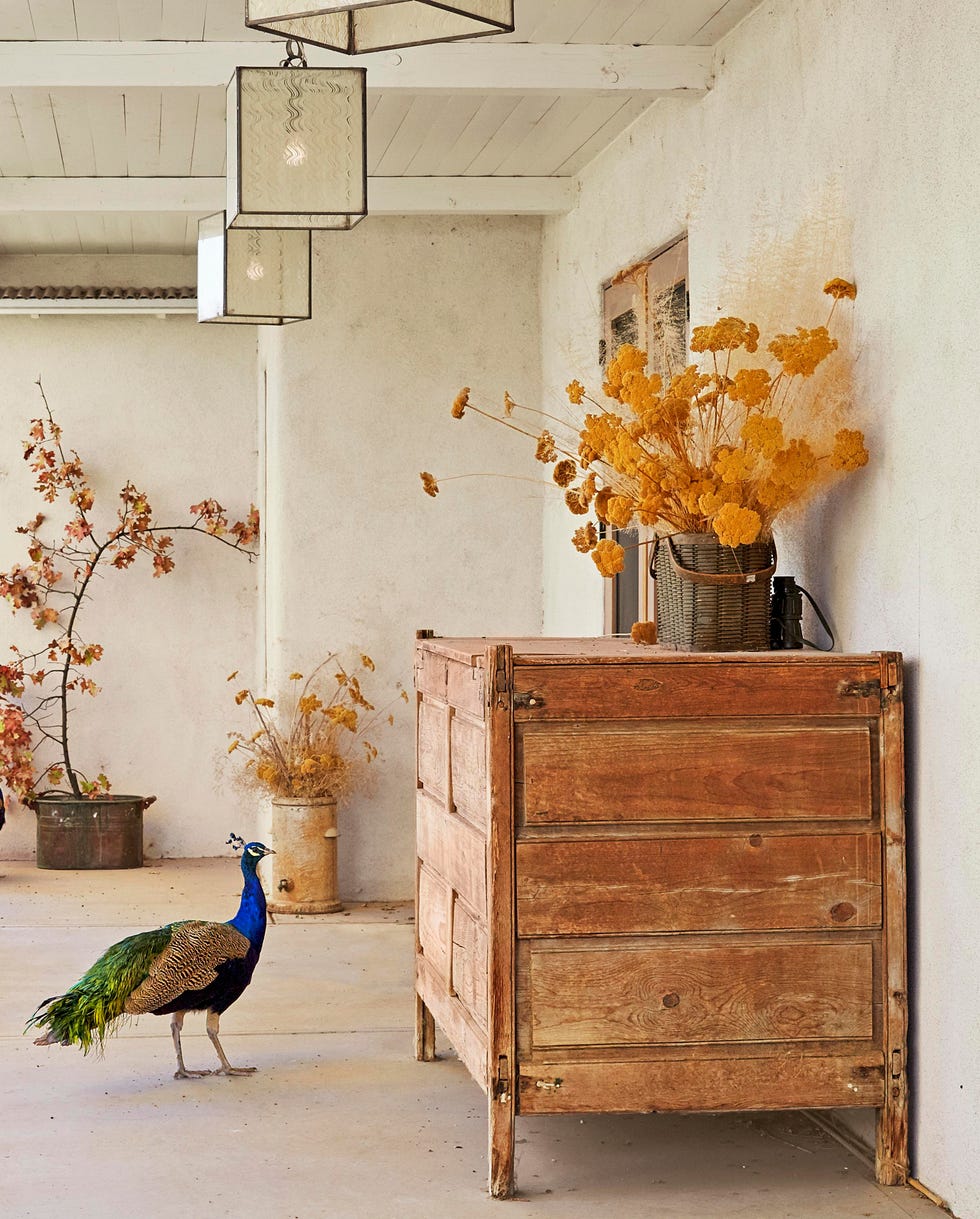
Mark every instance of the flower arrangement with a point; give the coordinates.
(319, 747)
(724, 447)
(39, 688)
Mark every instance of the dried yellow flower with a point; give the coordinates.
(801, 353)
(644, 632)
(574, 504)
(585, 539)
(241, 696)
(576, 392)
(735, 526)
(619, 511)
(727, 334)
(309, 703)
(509, 404)
(609, 557)
(546, 450)
(849, 452)
(429, 484)
(750, 386)
(763, 434)
(367, 662)
(564, 473)
(603, 496)
(840, 288)
(263, 702)
(296, 677)
(461, 403)
(733, 465)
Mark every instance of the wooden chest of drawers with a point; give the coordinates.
(653, 881)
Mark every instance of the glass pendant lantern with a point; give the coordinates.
(378, 25)
(297, 146)
(258, 277)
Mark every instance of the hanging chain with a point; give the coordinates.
(295, 56)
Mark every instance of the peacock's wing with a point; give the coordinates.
(189, 962)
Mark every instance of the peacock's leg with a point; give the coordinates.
(226, 1068)
(176, 1023)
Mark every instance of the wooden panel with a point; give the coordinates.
(469, 965)
(502, 955)
(467, 1038)
(433, 747)
(434, 918)
(465, 687)
(647, 996)
(892, 1138)
(699, 771)
(698, 884)
(468, 758)
(452, 848)
(430, 673)
(715, 689)
(706, 1085)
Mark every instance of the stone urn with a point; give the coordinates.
(304, 867)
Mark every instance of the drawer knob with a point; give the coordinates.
(843, 912)
(672, 999)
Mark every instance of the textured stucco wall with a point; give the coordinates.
(855, 122)
(172, 406)
(406, 311)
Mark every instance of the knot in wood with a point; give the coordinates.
(672, 999)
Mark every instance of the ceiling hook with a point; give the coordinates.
(295, 56)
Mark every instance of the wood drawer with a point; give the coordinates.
(707, 771)
(710, 1084)
(749, 883)
(634, 995)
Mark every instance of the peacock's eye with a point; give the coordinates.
(253, 851)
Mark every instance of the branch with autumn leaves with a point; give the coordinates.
(38, 688)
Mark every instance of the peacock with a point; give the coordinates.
(189, 966)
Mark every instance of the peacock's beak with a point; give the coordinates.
(269, 851)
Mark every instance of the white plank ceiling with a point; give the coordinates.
(91, 131)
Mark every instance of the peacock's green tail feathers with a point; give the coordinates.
(86, 1013)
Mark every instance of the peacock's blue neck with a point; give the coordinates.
(250, 919)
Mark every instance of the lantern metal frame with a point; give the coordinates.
(251, 319)
(293, 23)
(284, 218)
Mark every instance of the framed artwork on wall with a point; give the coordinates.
(647, 305)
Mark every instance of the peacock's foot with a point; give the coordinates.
(235, 1071)
(183, 1074)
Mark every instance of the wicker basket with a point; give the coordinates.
(712, 598)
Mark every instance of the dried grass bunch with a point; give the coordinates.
(316, 745)
(723, 447)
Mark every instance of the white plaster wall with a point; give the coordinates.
(872, 105)
(406, 311)
(172, 406)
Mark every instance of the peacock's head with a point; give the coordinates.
(252, 852)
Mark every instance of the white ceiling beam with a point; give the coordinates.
(520, 68)
(202, 196)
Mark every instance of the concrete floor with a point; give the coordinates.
(340, 1122)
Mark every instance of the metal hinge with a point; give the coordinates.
(501, 1087)
(896, 1064)
(860, 689)
(872, 689)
